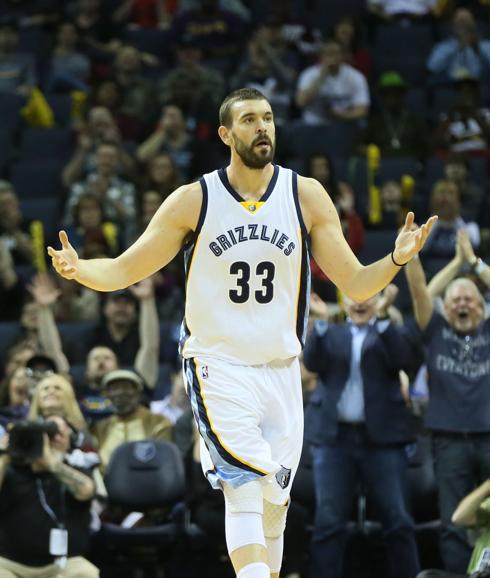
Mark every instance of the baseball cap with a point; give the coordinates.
(122, 375)
(391, 79)
(44, 361)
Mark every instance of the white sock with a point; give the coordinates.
(243, 529)
(275, 547)
(255, 570)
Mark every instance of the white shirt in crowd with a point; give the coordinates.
(345, 90)
(391, 7)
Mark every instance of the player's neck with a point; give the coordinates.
(249, 183)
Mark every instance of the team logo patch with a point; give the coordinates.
(283, 477)
(144, 451)
(204, 372)
(252, 208)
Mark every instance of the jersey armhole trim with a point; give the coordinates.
(304, 231)
(202, 215)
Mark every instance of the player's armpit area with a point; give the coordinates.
(328, 244)
(172, 224)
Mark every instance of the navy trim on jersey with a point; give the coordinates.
(304, 289)
(298, 207)
(202, 215)
(204, 420)
(270, 187)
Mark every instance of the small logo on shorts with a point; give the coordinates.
(204, 372)
(283, 477)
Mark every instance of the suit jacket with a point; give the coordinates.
(328, 352)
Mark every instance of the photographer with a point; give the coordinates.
(44, 505)
(472, 512)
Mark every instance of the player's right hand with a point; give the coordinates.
(65, 261)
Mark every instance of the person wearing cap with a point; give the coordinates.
(393, 128)
(131, 420)
(332, 90)
(464, 51)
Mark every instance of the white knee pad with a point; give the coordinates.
(274, 519)
(247, 498)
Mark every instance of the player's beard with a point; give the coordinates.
(252, 159)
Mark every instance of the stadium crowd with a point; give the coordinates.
(106, 107)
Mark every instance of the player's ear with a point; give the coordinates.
(224, 135)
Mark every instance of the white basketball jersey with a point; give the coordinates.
(248, 274)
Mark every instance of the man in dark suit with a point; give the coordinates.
(357, 425)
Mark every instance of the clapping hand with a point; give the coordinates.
(44, 290)
(411, 238)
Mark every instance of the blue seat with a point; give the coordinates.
(324, 14)
(302, 140)
(394, 50)
(45, 210)
(6, 148)
(395, 168)
(61, 107)
(377, 244)
(8, 331)
(45, 143)
(74, 336)
(442, 100)
(37, 180)
(416, 101)
(10, 105)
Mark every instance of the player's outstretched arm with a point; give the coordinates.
(175, 220)
(335, 257)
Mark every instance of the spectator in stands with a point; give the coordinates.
(219, 33)
(358, 424)
(69, 67)
(118, 329)
(393, 211)
(37, 499)
(14, 397)
(100, 128)
(393, 127)
(92, 234)
(17, 70)
(347, 32)
(466, 126)
(11, 289)
(473, 513)
(171, 138)
(464, 53)
(269, 67)
(131, 420)
(321, 168)
(161, 176)
(471, 193)
(17, 356)
(457, 346)
(191, 85)
(388, 10)
(14, 230)
(117, 195)
(146, 14)
(54, 395)
(332, 90)
(150, 203)
(138, 104)
(445, 202)
(173, 405)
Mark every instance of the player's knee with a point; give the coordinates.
(247, 498)
(274, 519)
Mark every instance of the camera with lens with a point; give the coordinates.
(26, 443)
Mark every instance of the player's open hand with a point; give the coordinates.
(65, 261)
(411, 239)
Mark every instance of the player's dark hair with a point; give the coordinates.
(225, 116)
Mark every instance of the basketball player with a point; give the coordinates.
(246, 231)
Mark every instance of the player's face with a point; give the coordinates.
(253, 134)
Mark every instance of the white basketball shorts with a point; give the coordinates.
(250, 418)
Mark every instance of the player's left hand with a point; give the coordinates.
(411, 239)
